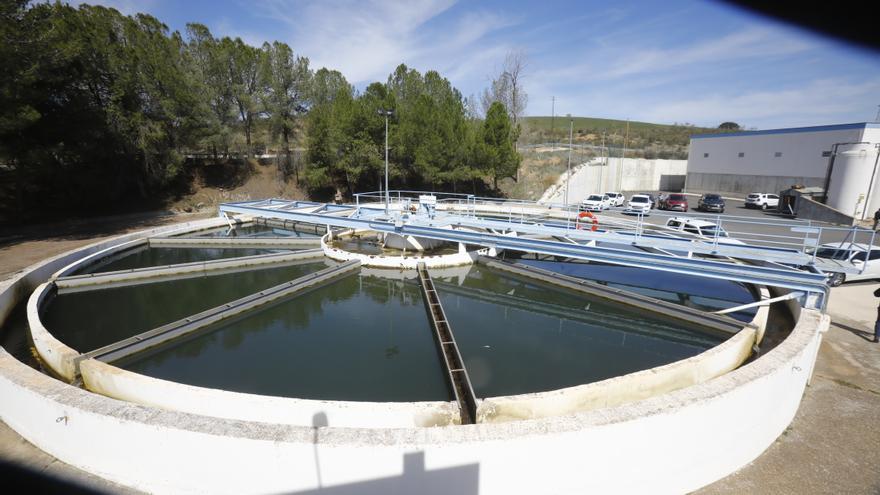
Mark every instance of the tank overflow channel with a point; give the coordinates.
(456, 373)
(188, 327)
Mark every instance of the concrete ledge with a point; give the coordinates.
(235, 242)
(399, 262)
(120, 384)
(621, 389)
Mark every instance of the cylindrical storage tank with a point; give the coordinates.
(849, 190)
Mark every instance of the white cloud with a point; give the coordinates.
(817, 102)
(366, 40)
(127, 7)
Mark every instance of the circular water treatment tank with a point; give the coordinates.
(516, 335)
(366, 336)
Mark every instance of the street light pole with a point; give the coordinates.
(568, 177)
(386, 113)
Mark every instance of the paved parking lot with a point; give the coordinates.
(749, 224)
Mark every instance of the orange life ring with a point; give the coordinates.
(586, 214)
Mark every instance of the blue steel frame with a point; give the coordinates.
(813, 284)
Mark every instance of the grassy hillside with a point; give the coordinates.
(645, 139)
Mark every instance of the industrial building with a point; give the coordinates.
(840, 159)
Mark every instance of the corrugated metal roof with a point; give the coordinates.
(792, 130)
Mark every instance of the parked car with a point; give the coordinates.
(652, 197)
(701, 228)
(851, 256)
(676, 202)
(617, 199)
(638, 203)
(596, 202)
(762, 200)
(711, 202)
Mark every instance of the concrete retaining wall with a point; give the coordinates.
(807, 208)
(629, 174)
(741, 185)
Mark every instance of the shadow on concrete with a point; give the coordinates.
(460, 480)
(869, 336)
(27, 480)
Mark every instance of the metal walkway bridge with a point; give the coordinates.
(553, 230)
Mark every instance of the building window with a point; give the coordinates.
(705, 155)
(826, 154)
(777, 154)
(741, 154)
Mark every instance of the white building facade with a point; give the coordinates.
(843, 159)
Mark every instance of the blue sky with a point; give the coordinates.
(673, 61)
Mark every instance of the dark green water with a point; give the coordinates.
(517, 338)
(360, 338)
(147, 256)
(93, 319)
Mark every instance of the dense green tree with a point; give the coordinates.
(243, 62)
(96, 106)
(496, 146)
(285, 80)
(214, 85)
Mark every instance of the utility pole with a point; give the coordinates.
(604, 163)
(568, 176)
(622, 156)
(386, 113)
(877, 118)
(552, 118)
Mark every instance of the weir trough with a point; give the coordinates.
(456, 373)
(181, 271)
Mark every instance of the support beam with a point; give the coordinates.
(724, 326)
(190, 325)
(762, 302)
(235, 242)
(793, 279)
(181, 271)
(456, 373)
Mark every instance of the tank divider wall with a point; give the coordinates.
(148, 275)
(178, 329)
(456, 372)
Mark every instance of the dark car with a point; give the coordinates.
(676, 202)
(711, 202)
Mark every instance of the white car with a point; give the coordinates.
(639, 204)
(617, 199)
(851, 256)
(701, 228)
(762, 200)
(596, 202)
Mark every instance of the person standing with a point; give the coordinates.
(876, 218)
(877, 323)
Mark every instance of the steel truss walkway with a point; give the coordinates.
(759, 265)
